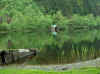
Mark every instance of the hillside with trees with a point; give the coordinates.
(79, 20)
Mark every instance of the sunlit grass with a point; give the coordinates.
(77, 71)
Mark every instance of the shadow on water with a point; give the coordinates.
(51, 52)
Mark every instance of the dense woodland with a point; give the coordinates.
(34, 13)
(79, 20)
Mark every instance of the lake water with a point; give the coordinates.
(77, 47)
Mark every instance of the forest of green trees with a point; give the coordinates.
(80, 20)
(70, 7)
(34, 13)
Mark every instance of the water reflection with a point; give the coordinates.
(79, 46)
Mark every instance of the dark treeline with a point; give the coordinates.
(70, 7)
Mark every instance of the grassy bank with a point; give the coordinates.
(78, 71)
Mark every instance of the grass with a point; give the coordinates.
(77, 71)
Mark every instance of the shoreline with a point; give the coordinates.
(90, 63)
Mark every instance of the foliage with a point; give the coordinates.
(77, 19)
(70, 7)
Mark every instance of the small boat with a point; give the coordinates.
(13, 56)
